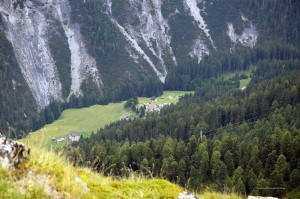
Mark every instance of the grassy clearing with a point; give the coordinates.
(48, 175)
(243, 82)
(165, 97)
(86, 120)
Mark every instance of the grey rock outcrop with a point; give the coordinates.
(260, 197)
(186, 195)
(12, 153)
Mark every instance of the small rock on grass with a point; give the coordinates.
(186, 195)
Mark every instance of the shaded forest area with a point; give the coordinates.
(277, 47)
(228, 139)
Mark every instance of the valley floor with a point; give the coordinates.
(87, 120)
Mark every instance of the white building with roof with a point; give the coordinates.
(74, 136)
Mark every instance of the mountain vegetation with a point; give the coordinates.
(124, 70)
(222, 137)
(48, 175)
(239, 132)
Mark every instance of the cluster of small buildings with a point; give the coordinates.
(124, 117)
(150, 106)
(154, 107)
(73, 136)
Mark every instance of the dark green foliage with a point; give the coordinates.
(121, 76)
(275, 54)
(285, 24)
(276, 182)
(17, 105)
(246, 148)
(272, 58)
(228, 159)
(294, 178)
(131, 103)
(62, 56)
(240, 187)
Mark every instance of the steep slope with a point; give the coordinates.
(27, 27)
(87, 52)
(26, 30)
(82, 64)
(30, 26)
(48, 175)
(221, 137)
(17, 103)
(145, 27)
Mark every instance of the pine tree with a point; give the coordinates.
(262, 187)
(240, 187)
(282, 167)
(294, 178)
(228, 159)
(182, 172)
(204, 166)
(277, 183)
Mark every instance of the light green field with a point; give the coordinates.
(86, 120)
(165, 97)
(83, 120)
(243, 82)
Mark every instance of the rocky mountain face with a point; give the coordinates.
(113, 49)
(145, 25)
(29, 28)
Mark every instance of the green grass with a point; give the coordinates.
(86, 120)
(165, 97)
(207, 194)
(48, 175)
(243, 82)
(83, 120)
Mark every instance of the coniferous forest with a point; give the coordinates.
(222, 137)
(277, 46)
(230, 139)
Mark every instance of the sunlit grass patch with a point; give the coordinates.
(218, 195)
(48, 175)
(86, 120)
(167, 97)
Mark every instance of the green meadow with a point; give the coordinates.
(243, 82)
(83, 120)
(165, 98)
(87, 120)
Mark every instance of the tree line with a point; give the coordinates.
(241, 141)
(19, 114)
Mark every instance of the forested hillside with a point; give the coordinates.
(238, 132)
(95, 52)
(222, 137)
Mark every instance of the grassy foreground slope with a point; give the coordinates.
(47, 175)
(87, 120)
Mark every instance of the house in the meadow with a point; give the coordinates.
(74, 136)
(124, 117)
